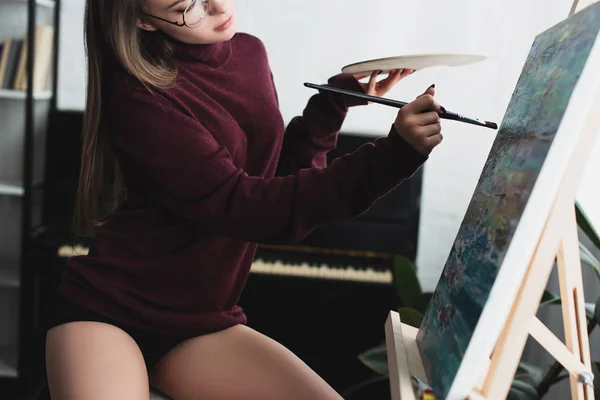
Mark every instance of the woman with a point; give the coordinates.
(183, 110)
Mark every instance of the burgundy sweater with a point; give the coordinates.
(212, 171)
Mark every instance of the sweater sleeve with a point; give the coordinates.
(310, 136)
(185, 170)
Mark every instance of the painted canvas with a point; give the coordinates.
(552, 70)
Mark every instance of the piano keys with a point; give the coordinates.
(269, 264)
(323, 271)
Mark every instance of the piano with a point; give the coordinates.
(274, 261)
(326, 299)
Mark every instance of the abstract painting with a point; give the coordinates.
(551, 72)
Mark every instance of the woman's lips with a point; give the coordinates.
(225, 24)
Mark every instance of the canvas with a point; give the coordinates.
(510, 204)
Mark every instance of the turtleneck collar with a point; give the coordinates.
(212, 54)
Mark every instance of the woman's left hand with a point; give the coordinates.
(380, 88)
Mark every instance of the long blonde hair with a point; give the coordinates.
(112, 37)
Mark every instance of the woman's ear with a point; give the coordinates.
(145, 25)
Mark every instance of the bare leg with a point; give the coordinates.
(93, 360)
(238, 363)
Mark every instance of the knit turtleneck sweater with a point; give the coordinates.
(211, 171)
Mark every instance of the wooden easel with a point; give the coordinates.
(559, 241)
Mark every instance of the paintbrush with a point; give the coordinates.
(399, 104)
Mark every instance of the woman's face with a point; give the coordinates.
(218, 19)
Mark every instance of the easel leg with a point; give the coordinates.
(561, 234)
(509, 349)
(573, 303)
(574, 7)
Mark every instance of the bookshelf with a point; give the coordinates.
(43, 3)
(10, 94)
(8, 190)
(27, 63)
(9, 277)
(8, 362)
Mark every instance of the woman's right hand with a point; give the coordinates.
(418, 123)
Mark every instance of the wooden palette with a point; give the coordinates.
(415, 61)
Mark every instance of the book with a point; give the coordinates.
(12, 63)
(21, 73)
(4, 59)
(43, 48)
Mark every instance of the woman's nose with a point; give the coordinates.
(216, 7)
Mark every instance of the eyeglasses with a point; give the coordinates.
(193, 15)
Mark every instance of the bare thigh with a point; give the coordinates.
(238, 363)
(94, 360)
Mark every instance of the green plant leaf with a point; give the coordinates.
(596, 372)
(376, 359)
(521, 390)
(589, 307)
(530, 373)
(548, 295)
(588, 259)
(410, 316)
(562, 376)
(377, 387)
(549, 298)
(407, 283)
(586, 226)
(422, 302)
(590, 310)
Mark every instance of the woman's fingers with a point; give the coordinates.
(407, 72)
(430, 91)
(434, 140)
(375, 88)
(372, 86)
(428, 118)
(400, 73)
(393, 78)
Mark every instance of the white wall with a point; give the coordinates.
(310, 40)
(71, 69)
